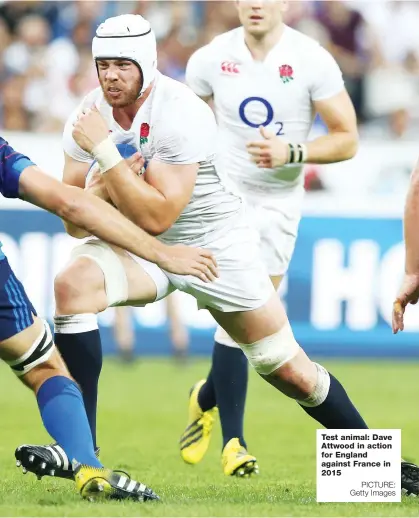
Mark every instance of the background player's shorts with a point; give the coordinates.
(276, 221)
(16, 309)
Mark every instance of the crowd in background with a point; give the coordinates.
(46, 65)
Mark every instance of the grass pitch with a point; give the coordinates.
(142, 413)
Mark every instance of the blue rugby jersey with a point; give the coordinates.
(12, 164)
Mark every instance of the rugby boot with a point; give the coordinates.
(237, 461)
(195, 439)
(45, 460)
(103, 483)
(409, 478)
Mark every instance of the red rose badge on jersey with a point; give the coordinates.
(286, 73)
(144, 133)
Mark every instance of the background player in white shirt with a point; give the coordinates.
(267, 82)
(181, 198)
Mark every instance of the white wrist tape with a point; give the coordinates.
(297, 153)
(107, 155)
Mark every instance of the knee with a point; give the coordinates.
(280, 360)
(302, 381)
(78, 286)
(33, 356)
(272, 353)
(305, 381)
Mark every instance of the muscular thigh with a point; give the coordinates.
(247, 327)
(119, 278)
(141, 286)
(16, 310)
(18, 344)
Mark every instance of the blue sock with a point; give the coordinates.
(64, 416)
(82, 353)
(337, 410)
(226, 387)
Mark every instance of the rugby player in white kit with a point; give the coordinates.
(267, 82)
(180, 198)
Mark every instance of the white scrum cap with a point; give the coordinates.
(128, 36)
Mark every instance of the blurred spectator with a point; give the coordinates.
(5, 39)
(347, 35)
(124, 331)
(396, 65)
(27, 56)
(28, 50)
(12, 12)
(312, 180)
(46, 66)
(301, 16)
(176, 27)
(13, 111)
(223, 14)
(72, 13)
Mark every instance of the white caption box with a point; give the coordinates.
(358, 465)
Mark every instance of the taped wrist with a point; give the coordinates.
(107, 155)
(297, 153)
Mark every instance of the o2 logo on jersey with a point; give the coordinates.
(269, 114)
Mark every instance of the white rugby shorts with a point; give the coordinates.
(276, 221)
(243, 283)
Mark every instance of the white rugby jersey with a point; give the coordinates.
(176, 127)
(277, 93)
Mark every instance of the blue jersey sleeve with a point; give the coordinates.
(12, 163)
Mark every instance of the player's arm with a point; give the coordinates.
(76, 161)
(331, 101)
(74, 175)
(102, 220)
(409, 291)
(155, 201)
(197, 74)
(341, 141)
(411, 224)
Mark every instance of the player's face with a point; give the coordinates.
(120, 80)
(259, 17)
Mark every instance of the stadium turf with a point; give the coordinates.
(142, 413)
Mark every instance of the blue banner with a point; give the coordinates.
(339, 290)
